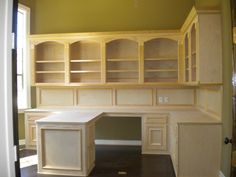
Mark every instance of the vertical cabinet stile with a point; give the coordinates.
(67, 64)
(141, 62)
(103, 62)
(33, 69)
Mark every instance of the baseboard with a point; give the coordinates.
(22, 142)
(221, 174)
(118, 142)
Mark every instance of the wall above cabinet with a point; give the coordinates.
(191, 55)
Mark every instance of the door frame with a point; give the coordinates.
(9, 159)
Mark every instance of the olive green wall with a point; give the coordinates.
(59, 16)
(21, 126)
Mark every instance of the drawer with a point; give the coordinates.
(156, 119)
(36, 116)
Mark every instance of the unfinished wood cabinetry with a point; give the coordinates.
(30, 128)
(196, 149)
(66, 143)
(191, 55)
(49, 63)
(161, 60)
(154, 134)
(85, 62)
(105, 58)
(202, 48)
(122, 61)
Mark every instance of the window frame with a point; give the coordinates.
(26, 62)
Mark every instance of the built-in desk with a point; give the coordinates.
(191, 137)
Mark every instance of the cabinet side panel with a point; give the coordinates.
(210, 48)
(199, 150)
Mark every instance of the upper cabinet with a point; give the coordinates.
(85, 62)
(202, 48)
(122, 61)
(137, 58)
(161, 60)
(191, 55)
(49, 63)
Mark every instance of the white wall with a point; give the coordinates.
(7, 168)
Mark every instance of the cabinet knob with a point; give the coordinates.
(227, 140)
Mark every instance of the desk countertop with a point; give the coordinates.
(78, 115)
(71, 117)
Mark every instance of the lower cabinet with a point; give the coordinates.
(154, 134)
(196, 149)
(65, 148)
(30, 127)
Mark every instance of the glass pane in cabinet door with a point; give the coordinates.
(193, 68)
(186, 56)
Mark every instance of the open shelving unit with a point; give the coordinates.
(161, 60)
(122, 61)
(85, 62)
(49, 62)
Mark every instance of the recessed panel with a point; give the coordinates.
(134, 97)
(56, 97)
(201, 98)
(214, 101)
(62, 149)
(175, 96)
(95, 97)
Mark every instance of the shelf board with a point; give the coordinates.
(84, 61)
(122, 71)
(87, 71)
(122, 59)
(50, 61)
(50, 72)
(161, 70)
(162, 59)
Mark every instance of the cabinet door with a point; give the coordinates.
(190, 59)
(31, 141)
(30, 128)
(154, 134)
(156, 137)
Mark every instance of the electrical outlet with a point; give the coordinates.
(160, 99)
(166, 99)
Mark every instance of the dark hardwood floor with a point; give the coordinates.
(119, 161)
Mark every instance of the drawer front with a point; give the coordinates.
(153, 119)
(30, 128)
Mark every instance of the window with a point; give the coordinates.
(23, 87)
